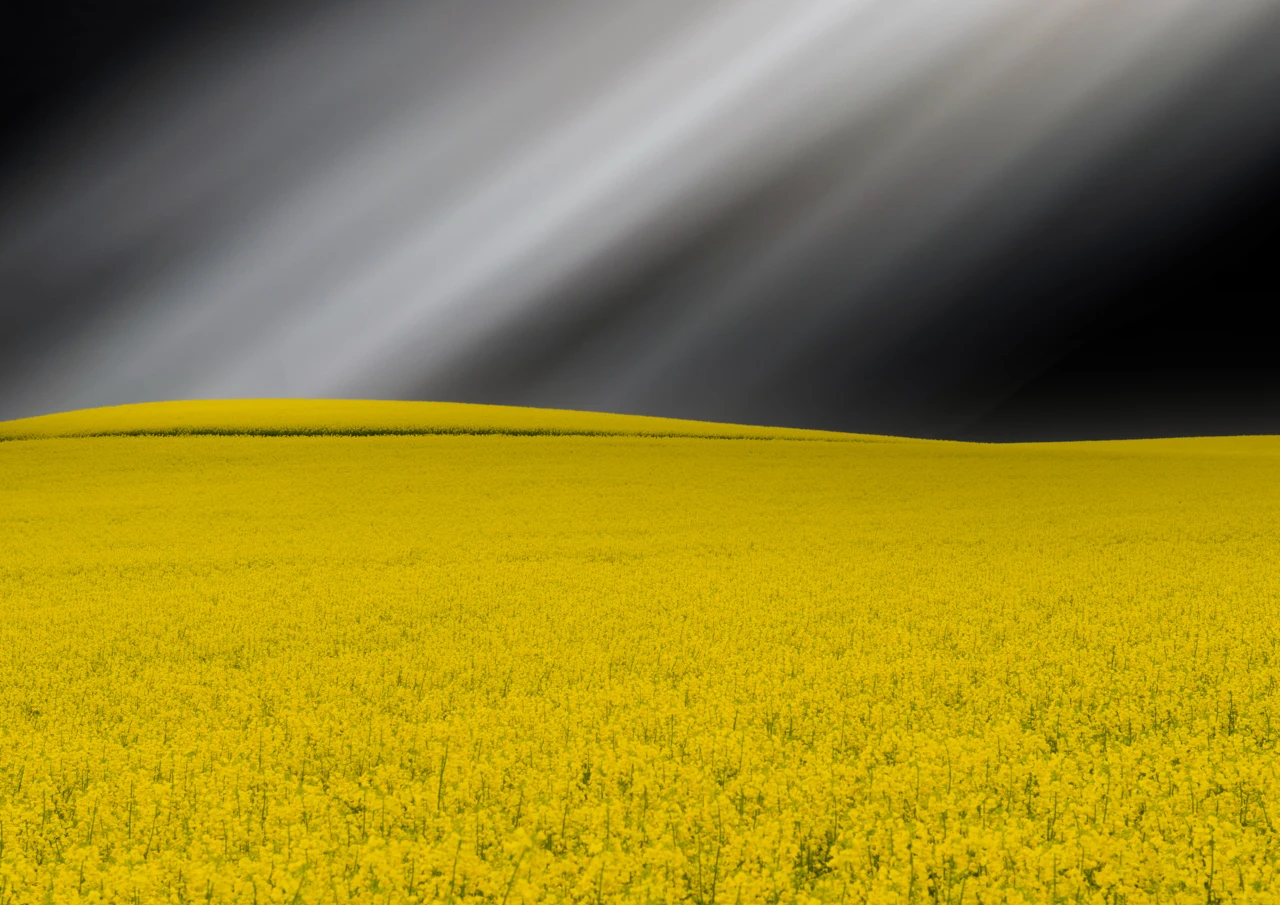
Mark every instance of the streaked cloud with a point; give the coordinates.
(655, 207)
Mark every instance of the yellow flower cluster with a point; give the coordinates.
(495, 668)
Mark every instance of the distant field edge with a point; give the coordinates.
(371, 418)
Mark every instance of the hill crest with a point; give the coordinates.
(321, 417)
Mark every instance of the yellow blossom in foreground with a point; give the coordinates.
(487, 667)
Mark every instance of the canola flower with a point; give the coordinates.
(496, 667)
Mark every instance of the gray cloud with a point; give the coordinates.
(657, 207)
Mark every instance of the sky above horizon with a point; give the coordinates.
(994, 219)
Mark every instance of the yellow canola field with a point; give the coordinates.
(494, 668)
(351, 417)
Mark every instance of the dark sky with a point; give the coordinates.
(474, 204)
(59, 55)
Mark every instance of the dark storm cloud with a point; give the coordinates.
(861, 214)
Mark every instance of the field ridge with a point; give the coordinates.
(361, 418)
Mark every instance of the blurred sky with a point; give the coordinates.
(989, 219)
